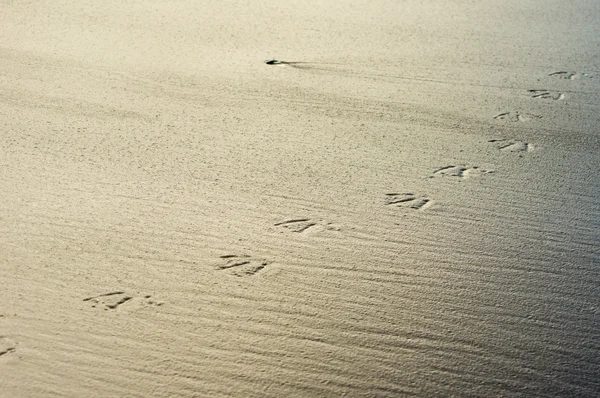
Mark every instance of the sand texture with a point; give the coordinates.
(408, 205)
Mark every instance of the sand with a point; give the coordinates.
(409, 207)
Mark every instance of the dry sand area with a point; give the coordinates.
(408, 205)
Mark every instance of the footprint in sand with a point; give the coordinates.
(242, 265)
(113, 300)
(304, 225)
(461, 171)
(546, 94)
(570, 75)
(516, 117)
(512, 146)
(407, 200)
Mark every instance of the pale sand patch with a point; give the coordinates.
(410, 209)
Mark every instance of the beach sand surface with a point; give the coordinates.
(408, 206)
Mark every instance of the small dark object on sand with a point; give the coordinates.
(294, 64)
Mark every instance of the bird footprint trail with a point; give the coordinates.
(297, 225)
(570, 75)
(516, 116)
(113, 300)
(546, 94)
(407, 200)
(512, 146)
(242, 265)
(302, 225)
(461, 171)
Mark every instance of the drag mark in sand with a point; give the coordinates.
(102, 295)
(7, 346)
(516, 116)
(407, 200)
(242, 265)
(461, 171)
(512, 146)
(546, 94)
(570, 75)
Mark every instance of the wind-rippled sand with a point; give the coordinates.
(407, 206)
